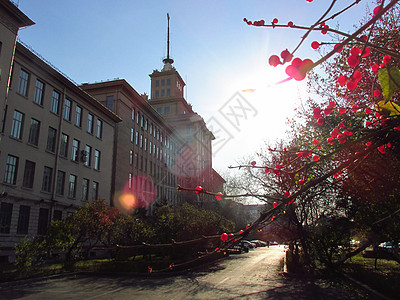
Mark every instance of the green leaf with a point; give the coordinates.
(389, 78)
(388, 108)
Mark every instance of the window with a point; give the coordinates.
(17, 125)
(142, 121)
(23, 83)
(162, 82)
(146, 123)
(95, 190)
(162, 92)
(131, 157)
(157, 93)
(34, 131)
(78, 116)
(137, 117)
(159, 110)
(39, 89)
(57, 215)
(151, 128)
(85, 189)
(51, 140)
(130, 180)
(64, 145)
(150, 148)
(75, 150)
(168, 92)
(55, 101)
(67, 109)
(5, 217)
(29, 174)
(23, 219)
(168, 81)
(137, 138)
(90, 123)
(46, 183)
(141, 141)
(110, 102)
(43, 222)
(133, 113)
(88, 150)
(60, 183)
(10, 175)
(132, 135)
(145, 144)
(141, 163)
(97, 155)
(166, 110)
(72, 186)
(136, 160)
(99, 131)
(157, 83)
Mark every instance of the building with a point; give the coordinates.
(146, 146)
(167, 98)
(56, 147)
(62, 145)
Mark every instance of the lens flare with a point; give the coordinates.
(139, 192)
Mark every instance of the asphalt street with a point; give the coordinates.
(253, 275)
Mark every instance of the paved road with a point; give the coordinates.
(253, 275)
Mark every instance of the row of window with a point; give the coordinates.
(11, 172)
(153, 129)
(24, 213)
(55, 104)
(33, 138)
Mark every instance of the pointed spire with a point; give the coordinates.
(168, 60)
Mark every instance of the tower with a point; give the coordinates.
(167, 98)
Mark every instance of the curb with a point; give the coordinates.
(366, 287)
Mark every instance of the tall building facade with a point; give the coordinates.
(56, 147)
(167, 98)
(146, 147)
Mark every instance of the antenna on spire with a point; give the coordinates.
(168, 59)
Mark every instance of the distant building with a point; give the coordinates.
(56, 143)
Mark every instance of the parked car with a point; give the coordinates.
(245, 243)
(259, 243)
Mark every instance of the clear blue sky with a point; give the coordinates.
(216, 53)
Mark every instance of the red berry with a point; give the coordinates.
(342, 80)
(315, 158)
(342, 110)
(198, 189)
(320, 121)
(218, 196)
(275, 21)
(377, 93)
(357, 75)
(315, 45)
(301, 181)
(253, 163)
(382, 149)
(317, 112)
(315, 142)
(331, 141)
(377, 10)
(351, 85)
(274, 60)
(334, 133)
(354, 108)
(266, 170)
(224, 237)
(375, 67)
(274, 204)
(367, 52)
(290, 24)
(353, 60)
(355, 51)
(368, 110)
(286, 56)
